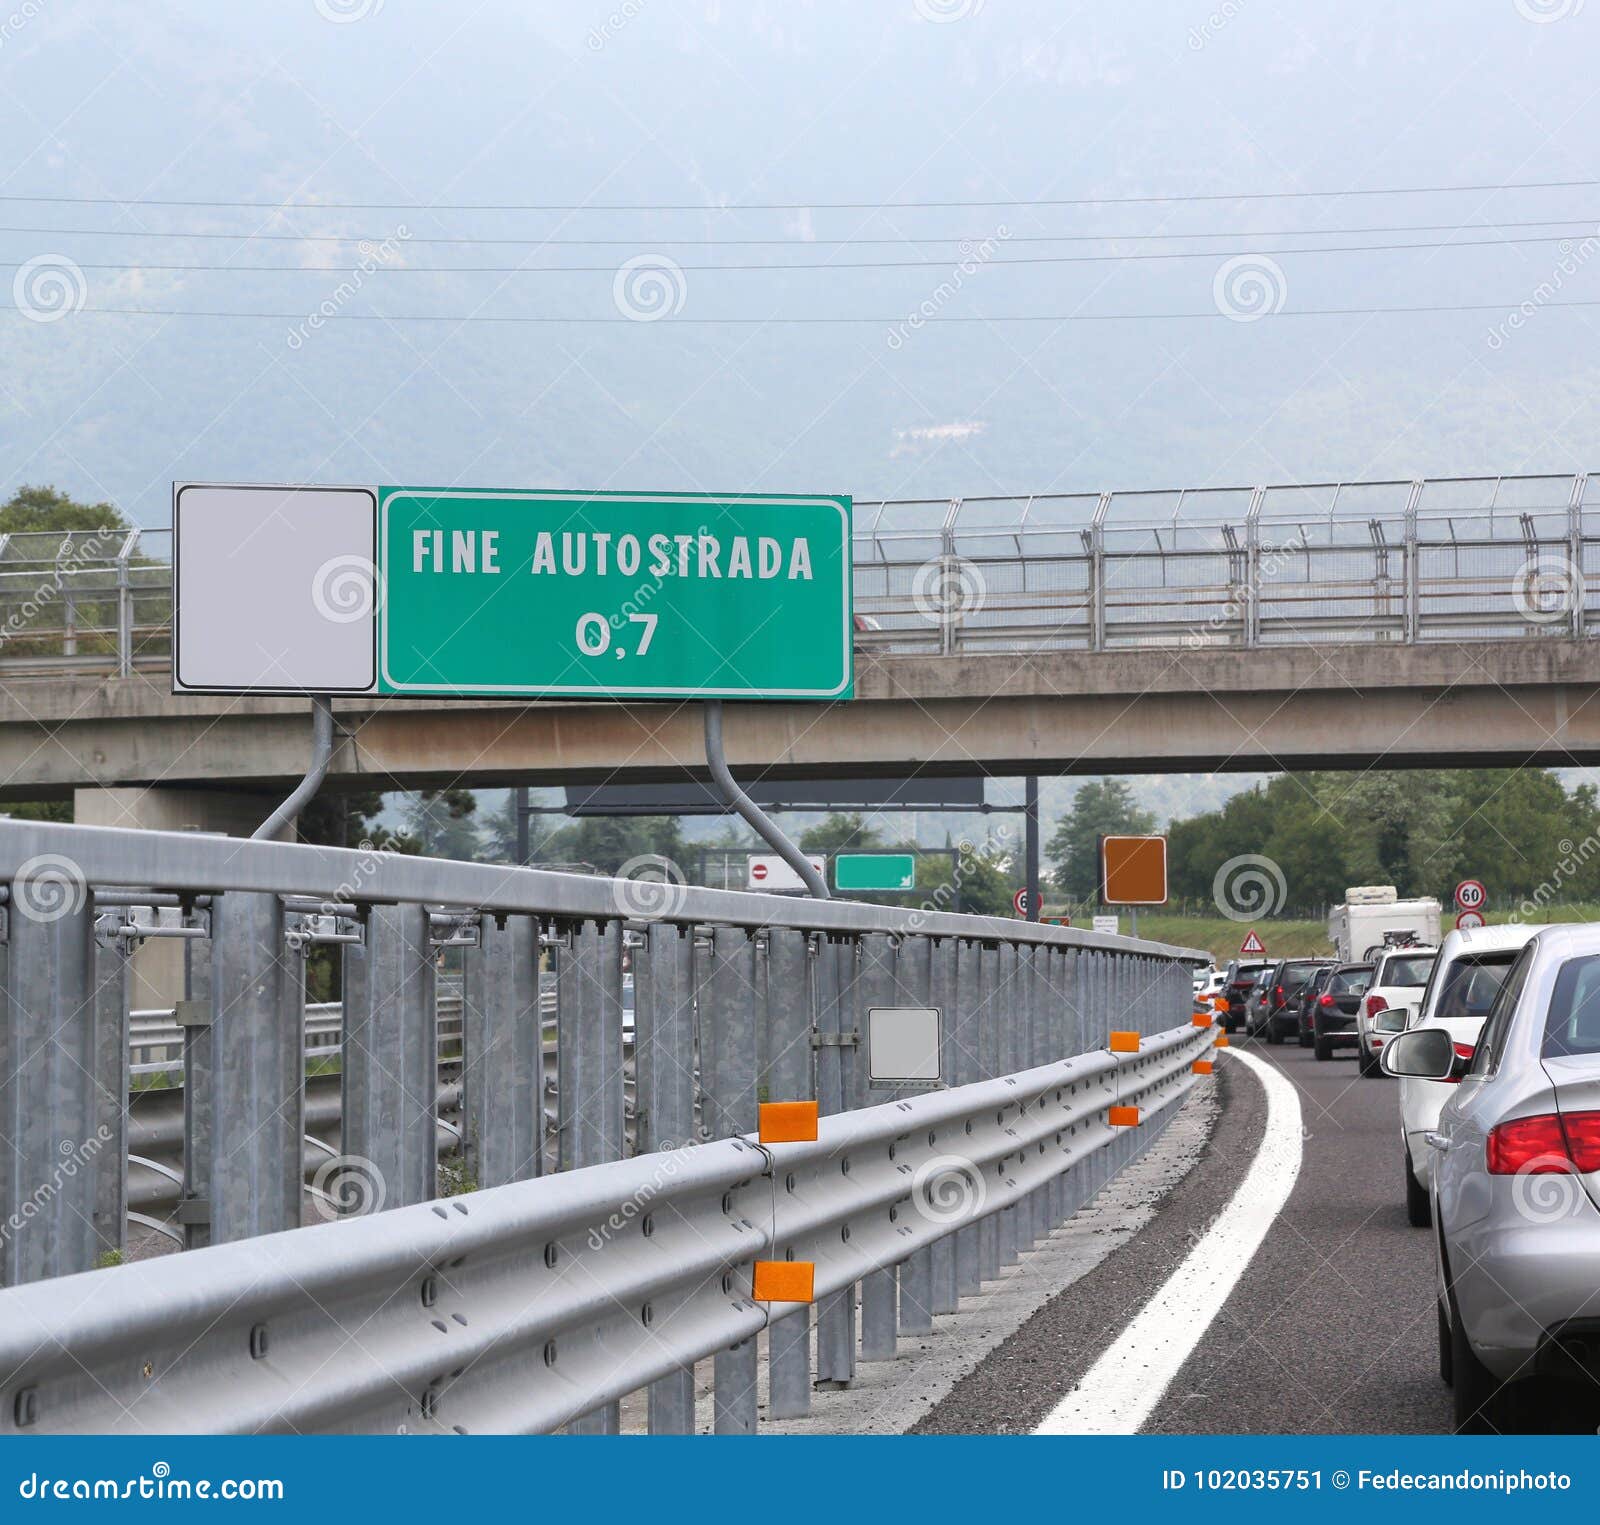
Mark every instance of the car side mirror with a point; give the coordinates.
(1428, 1053)
(1394, 1019)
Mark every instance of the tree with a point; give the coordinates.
(40, 610)
(841, 833)
(30, 510)
(439, 824)
(1101, 807)
(344, 820)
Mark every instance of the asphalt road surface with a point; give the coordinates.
(1331, 1328)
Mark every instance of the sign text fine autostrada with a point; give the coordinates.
(596, 594)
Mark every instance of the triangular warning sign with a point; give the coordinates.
(1252, 943)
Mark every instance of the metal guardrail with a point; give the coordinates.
(736, 997)
(528, 1307)
(1461, 558)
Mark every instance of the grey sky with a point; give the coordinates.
(706, 103)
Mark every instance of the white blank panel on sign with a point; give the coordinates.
(274, 589)
(903, 1045)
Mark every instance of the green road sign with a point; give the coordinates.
(613, 595)
(875, 871)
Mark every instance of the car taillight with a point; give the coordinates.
(1324, 1000)
(1278, 991)
(1549, 1144)
(1464, 1052)
(1375, 1004)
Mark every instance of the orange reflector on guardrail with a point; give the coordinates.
(1123, 1117)
(1202, 1019)
(1203, 1066)
(787, 1122)
(783, 1281)
(1124, 1043)
(1222, 1040)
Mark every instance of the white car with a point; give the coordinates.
(1467, 974)
(1208, 982)
(1399, 976)
(1516, 1188)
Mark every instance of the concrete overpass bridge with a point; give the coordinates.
(1342, 625)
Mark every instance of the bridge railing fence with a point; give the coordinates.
(1441, 559)
(736, 999)
(1435, 559)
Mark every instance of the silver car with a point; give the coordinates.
(1515, 1184)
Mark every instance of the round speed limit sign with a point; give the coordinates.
(1471, 895)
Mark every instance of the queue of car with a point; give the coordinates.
(1499, 1067)
(1493, 1034)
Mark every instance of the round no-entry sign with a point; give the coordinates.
(1469, 919)
(1471, 895)
(758, 871)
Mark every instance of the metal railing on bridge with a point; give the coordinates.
(1459, 558)
(551, 1287)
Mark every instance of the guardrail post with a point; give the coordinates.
(110, 1169)
(589, 1092)
(836, 1062)
(1010, 997)
(255, 1170)
(1095, 1036)
(988, 1034)
(1034, 1054)
(791, 989)
(61, 1123)
(966, 1066)
(880, 1289)
(502, 1053)
(663, 1067)
(945, 1289)
(1058, 1041)
(390, 1079)
(914, 987)
(199, 1112)
(729, 1021)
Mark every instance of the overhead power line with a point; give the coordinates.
(791, 206)
(1586, 226)
(776, 321)
(892, 264)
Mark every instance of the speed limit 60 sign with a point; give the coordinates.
(515, 594)
(1471, 895)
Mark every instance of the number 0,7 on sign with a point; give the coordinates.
(404, 590)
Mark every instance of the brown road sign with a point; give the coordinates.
(1133, 870)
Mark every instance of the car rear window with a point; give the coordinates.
(1572, 1025)
(1349, 981)
(1296, 975)
(1408, 970)
(1471, 984)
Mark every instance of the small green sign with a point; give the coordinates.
(875, 871)
(614, 595)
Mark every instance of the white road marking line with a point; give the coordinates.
(1121, 1390)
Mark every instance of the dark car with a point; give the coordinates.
(1333, 1019)
(1237, 987)
(1309, 992)
(1275, 1009)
